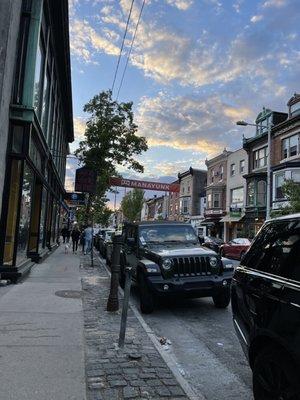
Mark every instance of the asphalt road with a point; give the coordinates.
(204, 344)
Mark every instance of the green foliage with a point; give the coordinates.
(291, 191)
(110, 139)
(97, 211)
(132, 204)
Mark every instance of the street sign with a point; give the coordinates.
(75, 199)
(132, 183)
(85, 180)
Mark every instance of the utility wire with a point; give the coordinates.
(121, 49)
(129, 53)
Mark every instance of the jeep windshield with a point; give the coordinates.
(167, 234)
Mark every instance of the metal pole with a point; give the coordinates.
(125, 307)
(113, 300)
(92, 249)
(269, 174)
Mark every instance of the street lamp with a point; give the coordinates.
(268, 127)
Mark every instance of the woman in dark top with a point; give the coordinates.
(75, 238)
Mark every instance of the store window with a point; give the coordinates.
(216, 200)
(42, 219)
(237, 196)
(35, 218)
(25, 212)
(279, 181)
(260, 158)
(290, 146)
(12, 213)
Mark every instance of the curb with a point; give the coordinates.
(169, 359)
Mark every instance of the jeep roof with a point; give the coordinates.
(157, 223)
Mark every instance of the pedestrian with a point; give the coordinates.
(88, 238)
(64, 233)
(68, 233)
(82, 240)
(75, 235)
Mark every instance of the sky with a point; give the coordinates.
(197, 66)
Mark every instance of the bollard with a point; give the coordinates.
(125, 307)
(113, 300)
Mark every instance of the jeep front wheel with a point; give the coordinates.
(222, 298)
(146, 297)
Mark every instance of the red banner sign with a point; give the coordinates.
(131, 183)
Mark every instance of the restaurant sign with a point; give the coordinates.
(146, 185)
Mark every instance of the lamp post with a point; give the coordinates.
(269, 128)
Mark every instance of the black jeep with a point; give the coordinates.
(167, 259)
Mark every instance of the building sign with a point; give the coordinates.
(131, 183)
(216, 213)
(85, 180)
(75, 199)
(235, 212)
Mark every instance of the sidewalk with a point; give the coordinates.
(57, 341)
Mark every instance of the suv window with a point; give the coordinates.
(276, 250)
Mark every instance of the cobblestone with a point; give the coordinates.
(110, 373)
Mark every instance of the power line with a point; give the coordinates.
(129, 53)
(121, 49)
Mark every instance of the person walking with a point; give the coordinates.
(64, 233)
(75, 235)
(88, 237)
(82, 239)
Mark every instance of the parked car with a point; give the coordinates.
(213, 243)
(266, 309)
(236, 248)
(104, 240)
(167, 260)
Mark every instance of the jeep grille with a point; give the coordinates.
(191, 266)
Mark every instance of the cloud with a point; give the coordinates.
(275, 3)
(85, 41)
(189, 123)
(79, 127)
(181, 4)
(256, 18)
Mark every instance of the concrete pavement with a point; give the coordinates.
(41, 334)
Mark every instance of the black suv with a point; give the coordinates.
(167, 259)
(265, 299)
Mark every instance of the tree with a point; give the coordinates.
(111, 139)
(132, 204)
(291, 191)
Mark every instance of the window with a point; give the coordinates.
(189, 189)
(38, 78)
(295, 109)
(251, 194)
(212, 175)
(261, 193)
(296, 176)
(209, 200)
(221, 173)
(276, 250)
(237, 196)
(260, 158)
(290, 146)
(242, 166)
(232, 169)
(185, 205)
(279, 181)
(216, 200)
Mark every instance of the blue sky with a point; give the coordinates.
(197, 66)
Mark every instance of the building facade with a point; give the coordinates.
(173, 205)
(237, 167)
(216, 194)
(286, 152)
(192, 190)
(36, 108)
(256, 178)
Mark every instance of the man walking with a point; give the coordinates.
(75, 238)
(88, 237)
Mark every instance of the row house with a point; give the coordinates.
(173, 205)
(256, 178)
(285, 163)
(237, 167)
(192, 193)
(216, 193)
(155, 208)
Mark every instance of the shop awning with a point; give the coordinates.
(208, 222)
(228, 218)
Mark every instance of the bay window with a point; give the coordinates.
(290, 146)
(260, 158)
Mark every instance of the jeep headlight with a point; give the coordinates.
(213, 261)
(167, 264)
